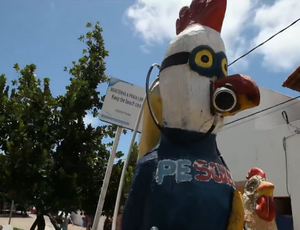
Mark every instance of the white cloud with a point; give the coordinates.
(89, 119)
(154, 21)
(282, 52)
(145, 48)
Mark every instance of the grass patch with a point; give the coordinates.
(17, 228)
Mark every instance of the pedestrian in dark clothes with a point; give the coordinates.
(107, 223)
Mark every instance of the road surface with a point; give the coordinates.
(25, 223)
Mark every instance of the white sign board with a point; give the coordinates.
(122, 104)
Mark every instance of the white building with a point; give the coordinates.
(270, 141)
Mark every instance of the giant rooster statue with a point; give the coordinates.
(181, 181)
(258, 202)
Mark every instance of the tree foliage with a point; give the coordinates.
(113, 186)
(49, 157)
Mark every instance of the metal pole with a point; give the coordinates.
(11, 210)
(125, 167)
(106, 180)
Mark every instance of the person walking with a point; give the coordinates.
(107, 223)
(89, 223)
(119, 219)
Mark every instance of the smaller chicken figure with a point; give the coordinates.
(258, 202)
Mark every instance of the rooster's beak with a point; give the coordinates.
(265, 188)
(246, 90)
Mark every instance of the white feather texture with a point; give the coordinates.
(185, 94)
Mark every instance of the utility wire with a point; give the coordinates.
(250, 51)
(263, 110)
(261, 44)
(274, 106)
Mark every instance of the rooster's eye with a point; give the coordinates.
(252, 185)
(204, 59)
(224, 66)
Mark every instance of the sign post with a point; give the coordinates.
(106, 179)
(137, 125)
(11, 211)
(122, 104)
(117, 205)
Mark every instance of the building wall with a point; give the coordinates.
(293, 153)
(257, 141)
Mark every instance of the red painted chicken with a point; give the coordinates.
(258, 202)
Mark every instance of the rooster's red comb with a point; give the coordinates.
(255, 172)
(208, 13)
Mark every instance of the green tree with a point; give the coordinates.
(3, 134)
(50, 158)
(113, 186)
(130, 170)
(81, 156)
(28, 144)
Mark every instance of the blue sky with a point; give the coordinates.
(45, 33)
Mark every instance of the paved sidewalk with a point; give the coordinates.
(25, 223)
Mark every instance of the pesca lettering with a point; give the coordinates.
(229, 178)
(181, 169)
(205, 173)
(213, 171)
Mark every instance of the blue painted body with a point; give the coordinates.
(180, 186)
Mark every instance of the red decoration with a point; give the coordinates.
(208, 13)
(255, 172)
(242, 85)
(265, 208)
